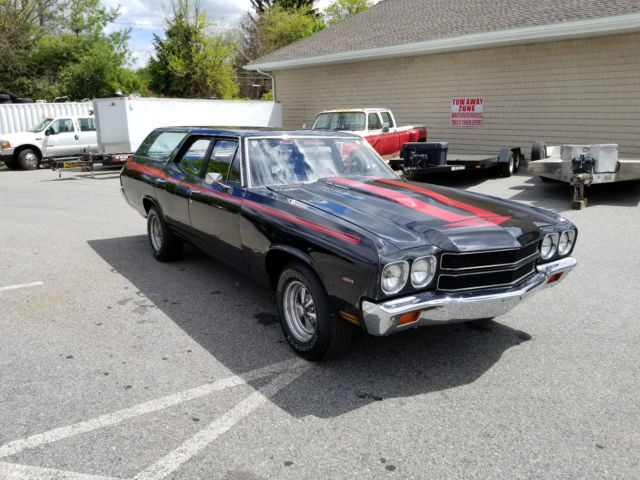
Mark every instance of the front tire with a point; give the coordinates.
(165, 245)
(308, 323)
(28, 159)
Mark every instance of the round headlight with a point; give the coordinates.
(394, 277)
(549, 246)
(422, 271)
(566, 242)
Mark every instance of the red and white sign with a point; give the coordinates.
(467, 112)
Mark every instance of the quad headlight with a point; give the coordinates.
(394, 277)
(549, 246)
(566, 242)
(422, 271)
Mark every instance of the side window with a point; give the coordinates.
(374, 122)
(160, 144)
(223, 154)
(87, 124)
(63, 125)
(386, 118)
(193, 158)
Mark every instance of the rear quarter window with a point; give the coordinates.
(159, 145)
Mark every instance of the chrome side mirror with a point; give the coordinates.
(385, 127)
(304, 126)
(212, 178)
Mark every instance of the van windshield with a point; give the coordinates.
(42, 125)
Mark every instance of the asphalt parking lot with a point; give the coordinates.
(113, 365)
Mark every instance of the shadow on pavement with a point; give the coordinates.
(234, 319)
(557, 195)
(460, 179)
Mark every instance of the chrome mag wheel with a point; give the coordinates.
(155, 233)
(31, 159)
(300, 311)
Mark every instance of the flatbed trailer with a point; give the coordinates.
(582, 166)
(86, 162)
(419, 159)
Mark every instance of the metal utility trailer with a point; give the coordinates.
(86, 162)
(581, 166)
(419, 159)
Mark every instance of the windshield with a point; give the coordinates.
(42, 125)
(285, 161)
(340, 121)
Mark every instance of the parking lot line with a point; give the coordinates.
(175, 459)
(14, 471)
(114, 418)
(21, 285)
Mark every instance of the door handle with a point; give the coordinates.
(76, 137)
(160, 181)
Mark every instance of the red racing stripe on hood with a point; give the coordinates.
(486, 214)
(415, 204)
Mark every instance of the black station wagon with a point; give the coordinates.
(344, 242)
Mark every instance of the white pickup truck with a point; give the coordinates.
(65, 136)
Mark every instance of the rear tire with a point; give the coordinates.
(165, 245)
(28, 159)
(507, 168)
(312, 329)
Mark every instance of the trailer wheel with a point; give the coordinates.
(28, 159)
(538, 151)
(516, 161)
(507, 168)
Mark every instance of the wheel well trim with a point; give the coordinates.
(154, 203)
(294, 252)
(20, 148)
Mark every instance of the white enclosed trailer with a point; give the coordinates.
(22, 117)
(124, 122)
(582, 166)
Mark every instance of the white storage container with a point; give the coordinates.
(606, 156)
(124, 122)
(22, 117)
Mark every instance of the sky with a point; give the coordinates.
(145, 17)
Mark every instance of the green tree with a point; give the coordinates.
(191, 61)
(261, 6)
(66, 51)
(22, 24)
(341, 9)
(278, 27)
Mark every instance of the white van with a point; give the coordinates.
(64, 136)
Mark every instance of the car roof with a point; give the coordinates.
(258, 132)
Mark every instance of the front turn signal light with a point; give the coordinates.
(409, 317)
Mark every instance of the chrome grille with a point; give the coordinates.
(462, 271)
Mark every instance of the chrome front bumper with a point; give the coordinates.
(382, 318)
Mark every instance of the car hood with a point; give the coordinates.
(19, 138)
(409, 215)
